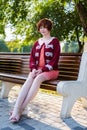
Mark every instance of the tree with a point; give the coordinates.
(3, 46)
(14, 45)
(24, 15)
(82, 11)
(81, 6)
(67, 24)
(26, 24)
(70, 47)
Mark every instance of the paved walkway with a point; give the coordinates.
(43, 113)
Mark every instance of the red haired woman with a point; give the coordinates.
(43, 64)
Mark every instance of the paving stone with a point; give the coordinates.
(78, 128)
(6, 128)
(26, 126)
(43, 113)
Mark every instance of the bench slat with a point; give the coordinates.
(15, 68)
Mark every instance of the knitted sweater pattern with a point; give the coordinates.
(51, 55)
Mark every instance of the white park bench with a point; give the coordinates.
(73, 90)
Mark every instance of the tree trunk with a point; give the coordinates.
(80, 44)
(82, 11)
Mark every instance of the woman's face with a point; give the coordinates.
(44, 31)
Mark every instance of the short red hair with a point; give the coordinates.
(45, 22)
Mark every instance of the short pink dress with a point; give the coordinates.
(52, 74)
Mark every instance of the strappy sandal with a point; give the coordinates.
(14, 120)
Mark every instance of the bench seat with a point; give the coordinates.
(16, 68)
(20, 79)
(70, 82)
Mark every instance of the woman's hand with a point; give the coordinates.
(34, 71)
(38, 71)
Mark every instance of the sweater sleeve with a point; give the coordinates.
(32, 64)
(54, 61)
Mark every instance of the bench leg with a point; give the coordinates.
(6, 87)
(67, 105)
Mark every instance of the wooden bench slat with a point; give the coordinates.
(15, 68)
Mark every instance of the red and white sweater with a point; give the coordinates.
(51, 55)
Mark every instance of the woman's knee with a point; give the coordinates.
(40, 78)
(31, 75)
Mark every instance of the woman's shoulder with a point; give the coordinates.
(36, 43)
(55, 40)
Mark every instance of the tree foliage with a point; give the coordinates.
(81, 6)
(68, 17)
(3, 46)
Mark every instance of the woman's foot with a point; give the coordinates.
(15, 118)
(15, 115)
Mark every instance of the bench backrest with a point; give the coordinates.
(14, 63)
(83, 68)
(10, 65)
(69, 66)
(19, 63)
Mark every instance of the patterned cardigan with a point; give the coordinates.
(51, 55)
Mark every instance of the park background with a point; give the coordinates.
(18, 23)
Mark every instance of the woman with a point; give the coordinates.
(43, 64)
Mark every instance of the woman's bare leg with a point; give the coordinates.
(34, 89)
(36, 85)
(24, 91)
(22, 96)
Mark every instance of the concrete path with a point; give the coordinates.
(43, 113)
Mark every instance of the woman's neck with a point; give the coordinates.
(46, 37)
(45, 40)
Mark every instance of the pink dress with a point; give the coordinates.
(53, 74)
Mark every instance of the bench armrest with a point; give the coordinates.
(69, 87)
